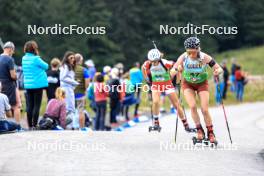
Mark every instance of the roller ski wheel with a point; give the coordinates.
(187, 127)
(211, 137)
(191, 130)
(155, 127)
(205, 142)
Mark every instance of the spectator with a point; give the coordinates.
(35, 80)
(219, 90)
(115, 96)
(53, 78)
(120, 68)
(5, 110)
(56, 109)
(90, 93)
(129, 98)
(8, 78)
(232, 77)
(91, 69)
(20, 85)
(240, 78)
(226, 76)
(82, 77)
(136, 79)
(106, 73)
(67, 82)
(100, 94)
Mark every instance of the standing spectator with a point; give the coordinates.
(226, 76)
(53, 78)
(67, 81)
(136, 78)
(20, 85)
(106, 73)
(120, 68)
(232, 77)
(129, 92)
(100, 94)
(115, 96)
(82, 77)
(91, 69)
(240, 77)
(8, 78)
(90, 93)
(219, 90)
(5, 110)
(35, 80)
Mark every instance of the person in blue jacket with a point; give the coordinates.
(136, 78)
(35, 80)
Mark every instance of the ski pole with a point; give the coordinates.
(154, 44)
(222, 103)
(150, 99)
(177, 118)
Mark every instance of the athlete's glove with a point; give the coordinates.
(218, 71)
(173, 72)
(180, 68)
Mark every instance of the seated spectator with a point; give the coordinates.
(56, 111)
(5, 111)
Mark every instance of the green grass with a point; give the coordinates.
(251, 59)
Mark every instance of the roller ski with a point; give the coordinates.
(187, 127)
(155, 126)
(201, 139)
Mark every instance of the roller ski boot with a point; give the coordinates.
(187, 127)
(156, 126)
(211, 136)
(200, 139)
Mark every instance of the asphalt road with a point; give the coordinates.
(138, 152)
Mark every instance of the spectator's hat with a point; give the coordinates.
(89, 63)
(9, 45)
